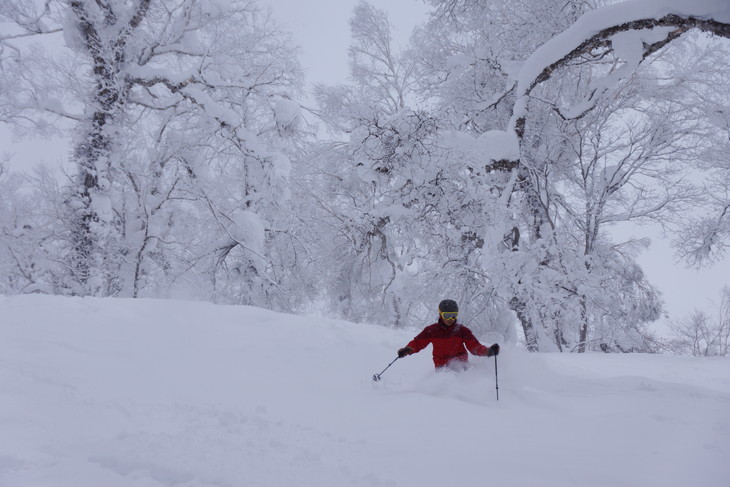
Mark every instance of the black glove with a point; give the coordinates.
(493, 350)
(404, 351)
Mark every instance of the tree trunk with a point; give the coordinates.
(520, 308)
(91, 230)
(583, 333)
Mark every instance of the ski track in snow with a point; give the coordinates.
(114, 392)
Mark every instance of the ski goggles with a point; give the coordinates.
(449, 315)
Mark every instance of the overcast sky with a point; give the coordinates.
(322, 28)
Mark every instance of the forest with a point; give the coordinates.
(486, 161)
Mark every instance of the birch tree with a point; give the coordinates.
(164, 96)
(369, 178)
(577, 75)
(701, 334)
(631, 43)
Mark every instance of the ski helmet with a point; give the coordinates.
(448, 305)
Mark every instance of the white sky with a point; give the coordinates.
(322, 28)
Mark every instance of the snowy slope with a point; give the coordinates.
(107, 393)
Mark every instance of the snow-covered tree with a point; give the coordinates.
(179, 111)
(627, 37)
(703, 70)
(583, 76)
(15, 264)
(370, 174)
(486, 162)
(403, 212)
(29, 258)
(701, 334)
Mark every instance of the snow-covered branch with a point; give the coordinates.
(602, 29)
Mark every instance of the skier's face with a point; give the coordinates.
(449, 317)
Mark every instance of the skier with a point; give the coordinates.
(450, 340)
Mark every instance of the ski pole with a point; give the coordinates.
(496, 378)
(376, 377)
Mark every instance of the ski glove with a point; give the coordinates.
(493, 350)
(404, 351)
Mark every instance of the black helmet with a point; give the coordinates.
(448, 305)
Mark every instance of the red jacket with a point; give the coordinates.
(449, 343)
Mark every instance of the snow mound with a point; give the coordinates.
(118, 392)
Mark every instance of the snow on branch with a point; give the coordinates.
(705, 240)
(663, 20)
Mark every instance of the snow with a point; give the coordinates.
(281, 166)
(118, 392)
(152, 73)
(71, 32)
(249, 229)
(287, 112)
(493, 145)
(212, 108)
(595, 21)
(102, 206)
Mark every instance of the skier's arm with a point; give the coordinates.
(416, 345)
(473, 345)
(421, 341)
